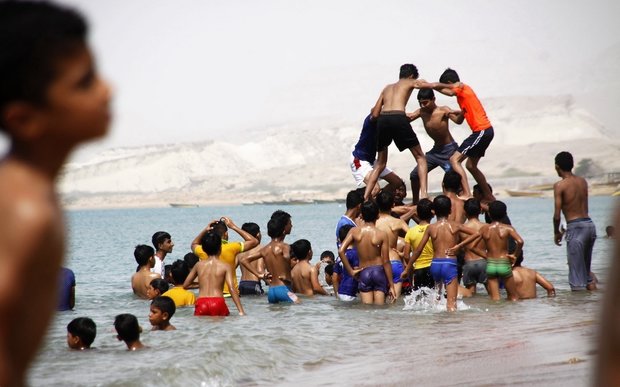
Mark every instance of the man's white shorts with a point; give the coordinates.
(361, 168)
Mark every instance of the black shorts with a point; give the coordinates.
(477, 143)
(250, 288)
(395, 126)
(422, 278)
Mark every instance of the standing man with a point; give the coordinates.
(393, 125)
(571, 197)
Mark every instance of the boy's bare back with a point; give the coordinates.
(393, 227)
(212, 273)
(140, 282)
(395, 96)
(370, 243)
(572, 192)
(496, 236)
(278, 261)
(444, 234)
(302, 278)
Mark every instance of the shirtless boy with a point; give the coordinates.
(372, 244)
(443, 234)
(393, 125)
(51, 100)
(140, 281)
(475, 268)
(277, 258)
(451, 185)
(394, 228)
(250, 285)
(230, 250)
(474, 146)
(571, 199)
(305, 276)
(526, 280)
(212, 273)
(499, 261)
(364, 155)
(435, 120)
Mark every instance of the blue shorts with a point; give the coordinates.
(373, 278)
(279, 294)
(438, 156)
(397, 270)
(444, 269)
(477, 143)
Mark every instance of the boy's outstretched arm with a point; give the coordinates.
(548, 286)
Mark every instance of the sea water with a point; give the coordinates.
(544, 341)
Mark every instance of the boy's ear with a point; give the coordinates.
(165, 316)
(22, 120)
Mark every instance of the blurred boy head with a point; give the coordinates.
(81, 333)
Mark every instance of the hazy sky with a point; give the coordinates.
(187, 71)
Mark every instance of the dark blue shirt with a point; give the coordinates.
(67, 283)
(366, 147)
(348, 284)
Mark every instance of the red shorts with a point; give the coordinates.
(211, 306)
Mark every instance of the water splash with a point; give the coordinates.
(429, 300)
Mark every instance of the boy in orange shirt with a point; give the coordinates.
(474, 146)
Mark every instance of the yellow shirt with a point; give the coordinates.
(414, 237)
(228, 255)
(180, 296)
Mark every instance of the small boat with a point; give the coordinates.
(184, 205)
(524, 193)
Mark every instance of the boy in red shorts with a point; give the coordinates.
(212, 273)
(474, 146)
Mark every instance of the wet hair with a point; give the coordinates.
(472, 207)
(424, 94)
(425, 209)
(281, 214)
(497, 210)
(408, 70)
(219, 227)
(211, 243)
(452, 181)
(354, 199)
(160, 237)
(344, 231)
(165, 304)
(300, 249)
(277, 224)
(442, 206)
(329, 269)
(449, 76)
(127, 327)
(518, 261)
(34, 37)
(385, 200)
(370, 211)
(142, 254)
(251, 228)
(564, 161)
(160, 284)
(84, 328)
(191, 259)
(167, 272)
(609, 230)
(327, 253)
(179, 271)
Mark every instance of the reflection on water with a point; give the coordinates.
(544, 341)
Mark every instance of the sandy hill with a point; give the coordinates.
(308, 161)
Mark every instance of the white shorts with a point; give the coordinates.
(361, 168)
(344, 297)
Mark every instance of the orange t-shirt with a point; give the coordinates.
(470, 104)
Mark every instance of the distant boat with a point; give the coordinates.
(525, 193)
(184, 205)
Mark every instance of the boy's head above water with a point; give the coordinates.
(49, 86)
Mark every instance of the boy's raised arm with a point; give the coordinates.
(250, 241)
